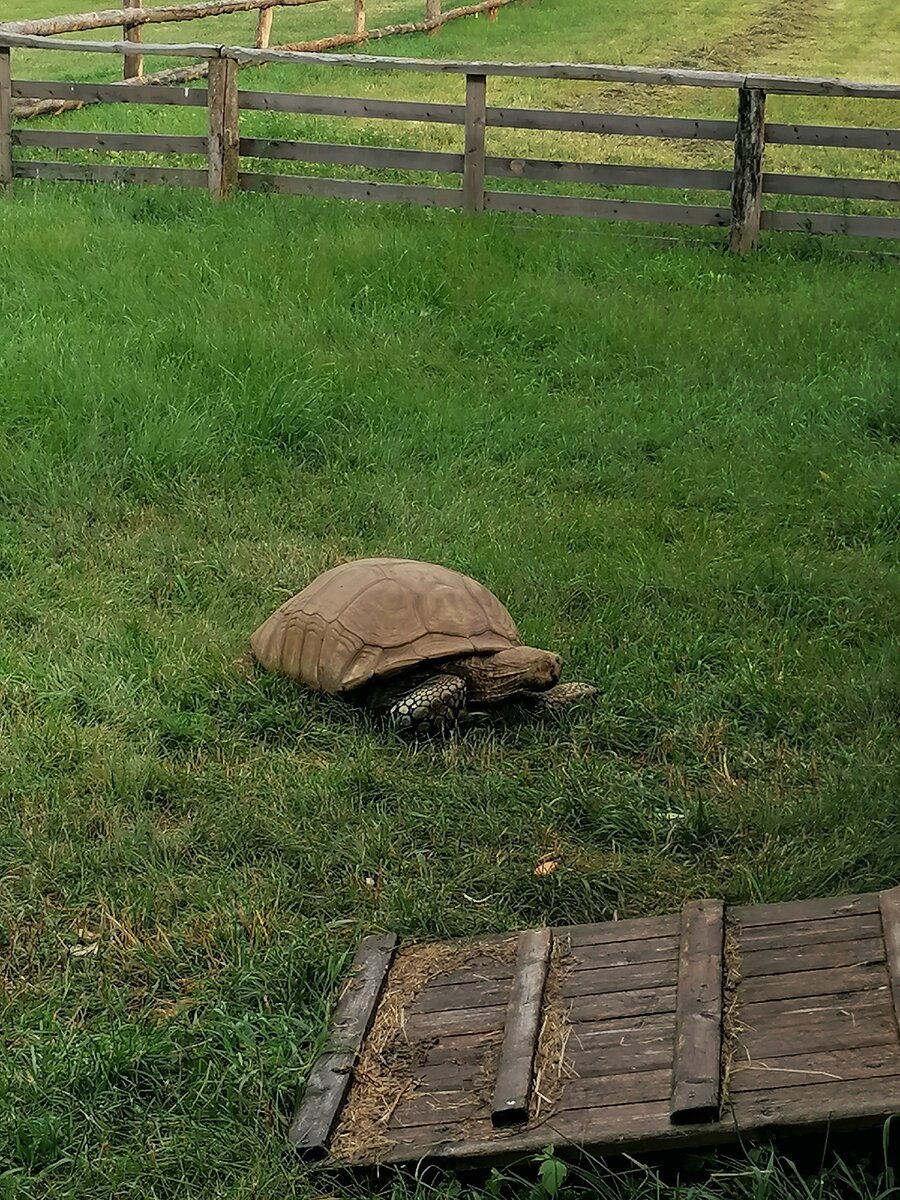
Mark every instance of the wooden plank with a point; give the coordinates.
(264, 27)
(843, 1005)
(825, 982)
(616, 1005)
(359, 16)
(347, 106)
(454, 997)
(132, 64)
(108, 173)
(619, 124)
(607, 174)
(607, 210)
(866, 1025)
(696, 1073)
(594, 956)
(150, 143)
(889, 904)
(423, 1109)
(420, 1026)
(654, 1053)
(818, 1104)
(605, 980)
(746, 187)
(626, 1087)
(512, 1087)
(790, 1070)
(382, 158)
(473, 158)
(637, 1030)
(826, 908)
(330, 1077)
(833, 135)
(132, 16)
(109, 93)
(803, 933)
(223, 136)
(798, 222)
(634, 929)
(810, 957)
(460, 1049)
(825, 185)
(351, 189)
(6, 162)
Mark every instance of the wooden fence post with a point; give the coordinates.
(264, 28)
(359, 16)
(132, 64)
(746, 183)
(224, 135)
(5, 119)
(473, 159)
(432, 12)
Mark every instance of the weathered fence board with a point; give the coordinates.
(619, 124)
(109, 93)
(149, 143)
(348, 106)
(6, 162)
(380, 158)
(109, 173)
(351, 189)
(608, 210)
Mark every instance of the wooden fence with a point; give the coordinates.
(132, 18)
(225, 149)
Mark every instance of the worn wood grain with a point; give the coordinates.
(824, 982)
(109, 93)
(359, 16)
(473, 157)
(889, 905)
(150, 143)
(380, 158)
(346, 106)
(811, 956)
(612, 955)
(696, 1070)
(746, 186)
(6, 163)
(618, 1005)
(133, 16)
(865, 1025)
(607, 174)
(833, 135)
(619, 124)
(512, 1086)
(819, 933)
(107, 173)
(223, 137)
(634, 929)
(452, 997)
(264, 28)
(330, 1077)
(606, 979)
(132, 64)
(423, 1025)
(789, 912)
(831, 223)
(790, 1070)
(826, 185)
(607, 210)
(351, 189)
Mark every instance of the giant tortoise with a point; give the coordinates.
(416, 642)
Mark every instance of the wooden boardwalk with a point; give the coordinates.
(634, 1035)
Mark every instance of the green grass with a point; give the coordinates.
(679, 470)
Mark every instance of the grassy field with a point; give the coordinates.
(679, 470)
(790, 36)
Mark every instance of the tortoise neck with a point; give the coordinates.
(492, 678)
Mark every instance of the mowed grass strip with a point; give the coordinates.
(679, 470)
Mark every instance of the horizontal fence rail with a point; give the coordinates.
(743, 187)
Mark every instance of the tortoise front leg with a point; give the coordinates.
(431, 707)
(561, 696)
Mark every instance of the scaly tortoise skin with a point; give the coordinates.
(415, 641)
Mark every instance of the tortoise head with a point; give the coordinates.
(499, 676)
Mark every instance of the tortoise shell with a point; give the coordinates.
(375, 617)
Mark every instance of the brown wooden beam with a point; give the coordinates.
(330, 1078)
(696, 1073)
(889, 906)
(512, 1088)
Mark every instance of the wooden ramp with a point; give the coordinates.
(633, 1035)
